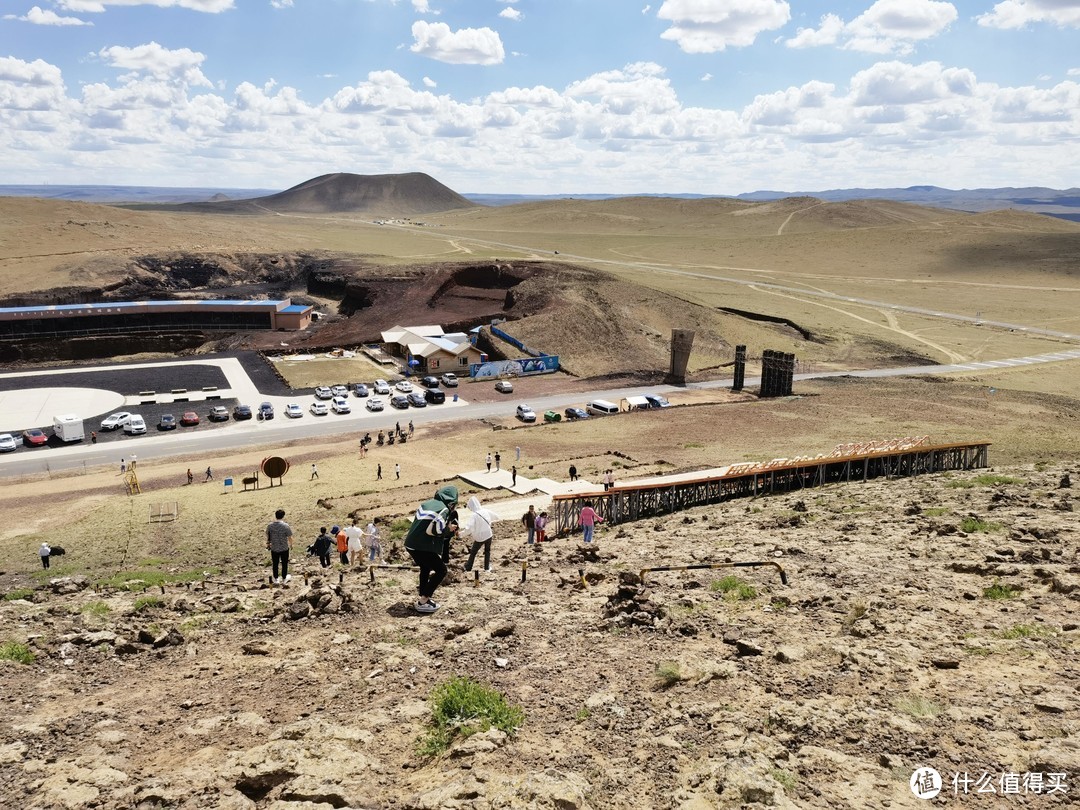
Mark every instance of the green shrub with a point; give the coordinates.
(667, 674)
(141, 579)
(1026, 631)
(983, 480)
(733, 588)
(19, 593)
(918, 706)
(16, 651)
(399, 527)
(972, 524)
(98, 609)
(145, 602)
(1000, 590)
(463, 707)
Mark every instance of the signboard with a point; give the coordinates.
(522, 367)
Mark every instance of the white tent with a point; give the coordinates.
(633, 404)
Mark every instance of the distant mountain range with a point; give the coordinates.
(416, 193)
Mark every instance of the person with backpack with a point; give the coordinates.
(431, 529)
(322, 545)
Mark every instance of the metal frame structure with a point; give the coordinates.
(629, 503)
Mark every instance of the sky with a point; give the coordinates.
(543, 96)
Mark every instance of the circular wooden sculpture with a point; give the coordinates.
(275, 467)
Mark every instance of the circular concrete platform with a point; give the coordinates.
(36, 407)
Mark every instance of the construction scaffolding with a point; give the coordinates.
(860, 462)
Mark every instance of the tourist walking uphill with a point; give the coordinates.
(323, 544)
(279, 539)
(430, 530)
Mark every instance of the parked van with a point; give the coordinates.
(601, 407)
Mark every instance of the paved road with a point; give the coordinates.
(236, 435)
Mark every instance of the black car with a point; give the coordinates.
(360, 390)
(434, 397)
(576, 413)
(167, 422)
(266, 411)
(241, 412)
(429, 382)
(416, 399)
(399, 401)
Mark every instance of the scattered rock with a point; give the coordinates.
(255, 648)
(68, 585)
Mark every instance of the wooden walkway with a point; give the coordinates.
(848, 463)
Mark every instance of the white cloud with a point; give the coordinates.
(707, 77)
(888, 26)
(47, 17)
(708, 26)
(423, 7)
(618, 131)
(1073, 72)
(901, 83)
(1018, 13)
(281, 3)
(466, 46)
(511, 14)
(155, 60)
(429, 82)
(97, 6)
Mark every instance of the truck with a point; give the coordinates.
(68, 428)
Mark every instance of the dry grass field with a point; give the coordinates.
(929, 621)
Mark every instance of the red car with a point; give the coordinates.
(34, 436)
(189, 418)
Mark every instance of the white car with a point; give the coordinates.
(319, 409)
(374, 404)
(7, 443)
(404, 386)
(341, 405)
(449, 379)
(135, 424)
(323, 392)
(525, 413)
(340, 390)
(382, 387)
(293, 411)
(115, 420)
(504, 387)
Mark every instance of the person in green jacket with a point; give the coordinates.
(431, 530)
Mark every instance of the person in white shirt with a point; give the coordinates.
(371, 538)
(355, 535)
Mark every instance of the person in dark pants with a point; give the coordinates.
(45, 553)
(573, 473)
(513, 476)
(190, 475)
(279, 539)
(209, 475)
(478, 531)
(378, 473)
(431, 529)
(323, 544)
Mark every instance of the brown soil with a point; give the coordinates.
(884, 652)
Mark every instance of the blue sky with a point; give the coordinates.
(542, 96)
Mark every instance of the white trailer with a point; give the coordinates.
(68, 428)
